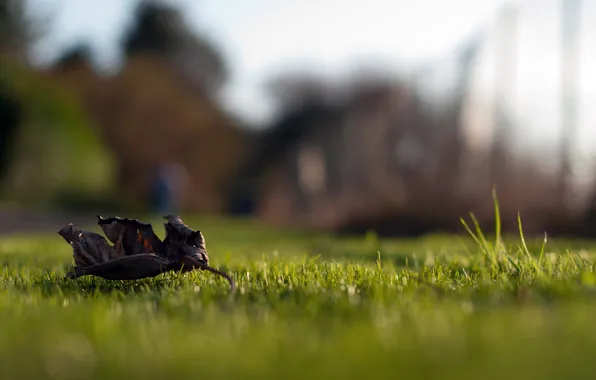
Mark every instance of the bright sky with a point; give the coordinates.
(260, 37)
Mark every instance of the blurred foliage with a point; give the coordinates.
(80, 138)
(17, 29)
(385, 155)
(10, 119)
(75, 55)
(55, 150)
(148, 115)
(49, 149)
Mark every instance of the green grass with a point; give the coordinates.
(308, 306)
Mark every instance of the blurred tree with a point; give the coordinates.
(54, 149)
(78, 54)
(16, 36)
(10, 119)
(17, 30)
(289, 91)
(160, 29)
(48, 148)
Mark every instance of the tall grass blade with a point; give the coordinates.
(498, 242)
(542, 249)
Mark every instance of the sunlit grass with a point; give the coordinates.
(308, 306)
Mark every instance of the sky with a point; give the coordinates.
(262, 37)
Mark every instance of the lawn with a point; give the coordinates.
(308, 305)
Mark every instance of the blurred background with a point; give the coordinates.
(394, 115)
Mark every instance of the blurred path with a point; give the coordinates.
(24, 221)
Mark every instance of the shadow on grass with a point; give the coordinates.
(52, 283)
